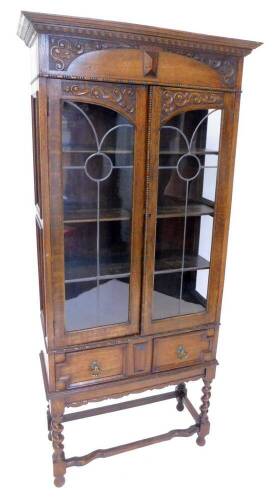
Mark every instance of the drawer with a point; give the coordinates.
(181, 350)
(92, 366)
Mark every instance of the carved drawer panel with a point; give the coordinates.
(180, 350)
(92, 366)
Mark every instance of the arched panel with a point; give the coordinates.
(120, 98)
(140, 65)
(173, 101)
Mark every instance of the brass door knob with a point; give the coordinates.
(181, 352)
(95, 368)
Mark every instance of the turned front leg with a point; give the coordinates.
(204, 424)
(59, 466)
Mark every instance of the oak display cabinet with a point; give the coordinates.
(134, 132)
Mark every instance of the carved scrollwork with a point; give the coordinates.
(74, 404)
(226, 66)
(122, 96)
(173, 100)
(63, 50)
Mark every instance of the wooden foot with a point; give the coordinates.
(59, 481)
(181, 393)
(59, 465)
(204, 424)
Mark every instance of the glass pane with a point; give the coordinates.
(209, 183)
(80, 197)
(97, 201)
(172, 253)
(89, 304)
(167, 299)
(189, 151)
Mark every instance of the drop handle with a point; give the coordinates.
(181, 352)
(95, 369)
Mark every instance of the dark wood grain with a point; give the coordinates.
(116, 450)
(181, 392)
(121, 406)
(204, 408)
(99, 62)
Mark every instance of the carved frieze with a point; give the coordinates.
(226, 66)
(63, 50)
(122, 96)
(173, 100)
(159, 385)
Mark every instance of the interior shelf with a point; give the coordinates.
(84, 270)
(117, 214)
(82, 167)
(185, 151)
(172, 263)
(80, 216)
(193, 210)
(82, 149)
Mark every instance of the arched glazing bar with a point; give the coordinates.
(189, 151)
(97, 165)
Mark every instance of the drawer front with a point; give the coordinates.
(181, 350)
(92, 366)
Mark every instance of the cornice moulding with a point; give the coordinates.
(32, 23)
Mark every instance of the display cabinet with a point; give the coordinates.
(134, 132)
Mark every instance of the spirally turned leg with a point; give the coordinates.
(59, 466)
(204, 424)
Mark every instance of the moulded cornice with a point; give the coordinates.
(32, 23)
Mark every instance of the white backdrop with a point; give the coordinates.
(236, 462)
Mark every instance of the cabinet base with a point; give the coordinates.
(56, 418)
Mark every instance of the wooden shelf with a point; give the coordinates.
(193, 210)
(81, 216)
(183, 152)
(83, 270)
(82, 167)
(172, 264)
(83, 149)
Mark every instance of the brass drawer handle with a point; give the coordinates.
(95, 368)
(181, 352)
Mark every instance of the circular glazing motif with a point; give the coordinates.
(98, 167)
(188, 167)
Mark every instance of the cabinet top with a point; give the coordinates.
(32, 23)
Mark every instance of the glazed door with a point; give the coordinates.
(187, 215)
(97, 148)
